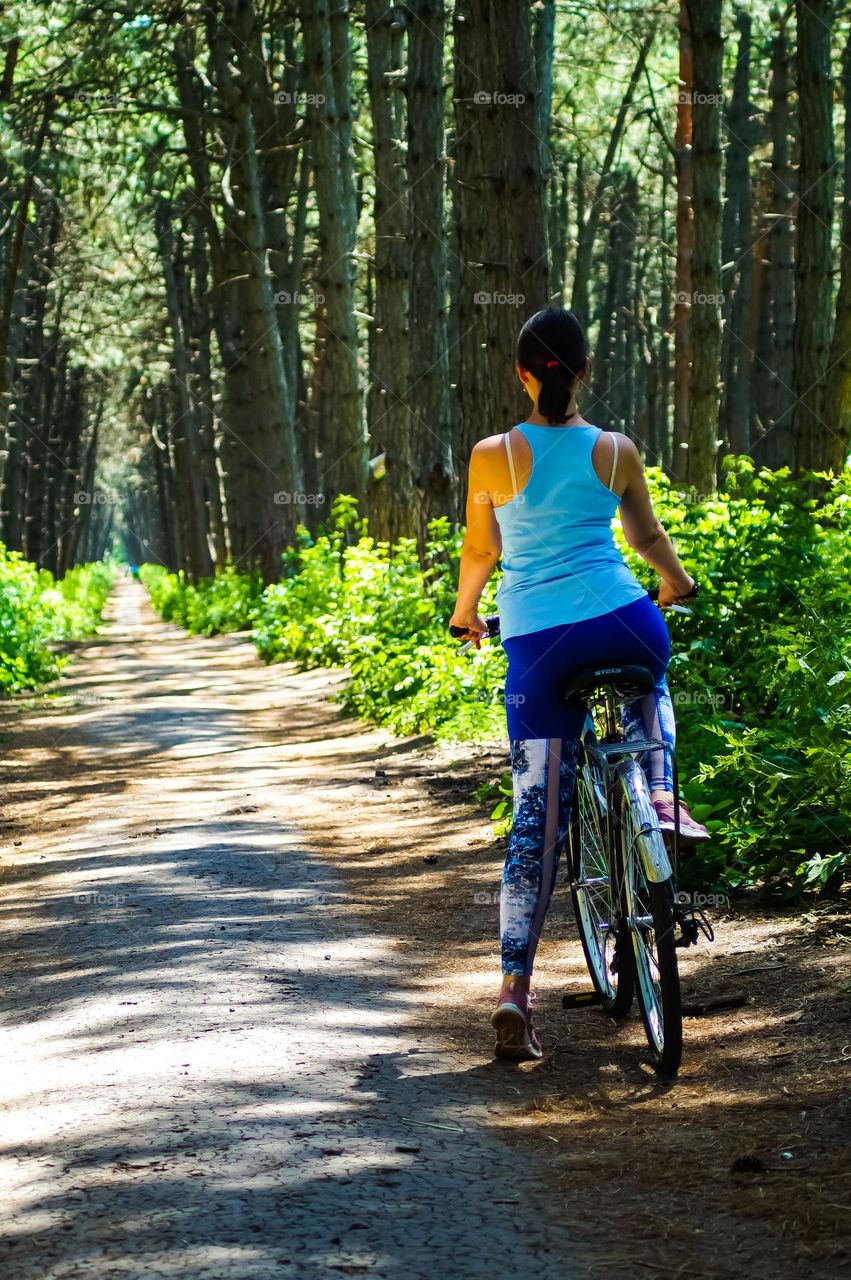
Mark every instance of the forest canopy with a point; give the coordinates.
(257, 255)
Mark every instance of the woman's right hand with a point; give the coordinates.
(473, 624)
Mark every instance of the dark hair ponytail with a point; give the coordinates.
(552, 347)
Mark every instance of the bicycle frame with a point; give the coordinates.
(607, 753)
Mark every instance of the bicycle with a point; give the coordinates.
(621, 870)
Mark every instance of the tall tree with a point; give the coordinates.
(501, 208)
(705, 22)
(772, 389)
(813, 303)
(737, 253)
(433, 413)
(392, 504)
(261, 460)
(837, 406)
(684, 168)
(339, 422)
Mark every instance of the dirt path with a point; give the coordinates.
(246, 974)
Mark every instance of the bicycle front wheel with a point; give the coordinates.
(649, 911)
(596, 900)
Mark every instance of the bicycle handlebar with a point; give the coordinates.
(492, 619)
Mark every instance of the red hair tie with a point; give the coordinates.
(551, 363)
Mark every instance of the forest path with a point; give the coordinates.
(215, 1066)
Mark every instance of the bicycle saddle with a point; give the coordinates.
(628, 680)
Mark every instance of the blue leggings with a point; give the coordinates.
(544, 730)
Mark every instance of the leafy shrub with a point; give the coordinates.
(215, 605)
(36, 611)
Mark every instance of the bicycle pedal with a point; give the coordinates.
(579, 999)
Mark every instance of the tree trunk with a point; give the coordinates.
(684, 167)
(501, 209)
(428, 395)
(813, 310)
(392, 502)
(773, 439)
(737, 255)
(186, 430)
(837, 406)
(262, 466)
(705, 21)
(339, 406)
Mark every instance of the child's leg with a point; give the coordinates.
(544, 771)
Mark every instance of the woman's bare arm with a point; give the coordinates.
(482, 544)
(644, 532)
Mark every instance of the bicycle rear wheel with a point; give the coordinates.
(596, 901)
(649, 909)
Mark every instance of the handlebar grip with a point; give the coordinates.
(492, 624)
(653, 593)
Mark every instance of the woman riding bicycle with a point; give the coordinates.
(542, 497)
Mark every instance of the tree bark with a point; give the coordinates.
(813, 310)
(705, 21)
(684, 168)
(392, 500)
(338, 406)
(501, 209)
(837, 407)
(737, 255)
(262, 465)
(772, 445)
(186, 428)
(433, 417)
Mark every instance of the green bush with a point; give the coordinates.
(348, 599)
(760, 674)
(215, 605)
(36, 611)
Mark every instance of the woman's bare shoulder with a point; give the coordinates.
(490, 445)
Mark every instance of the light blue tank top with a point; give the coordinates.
(559, 557)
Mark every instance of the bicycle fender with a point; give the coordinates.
(650, 841)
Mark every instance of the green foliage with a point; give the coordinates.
(215, 605)
(36, 611)
(760, 674)
(348, 599)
